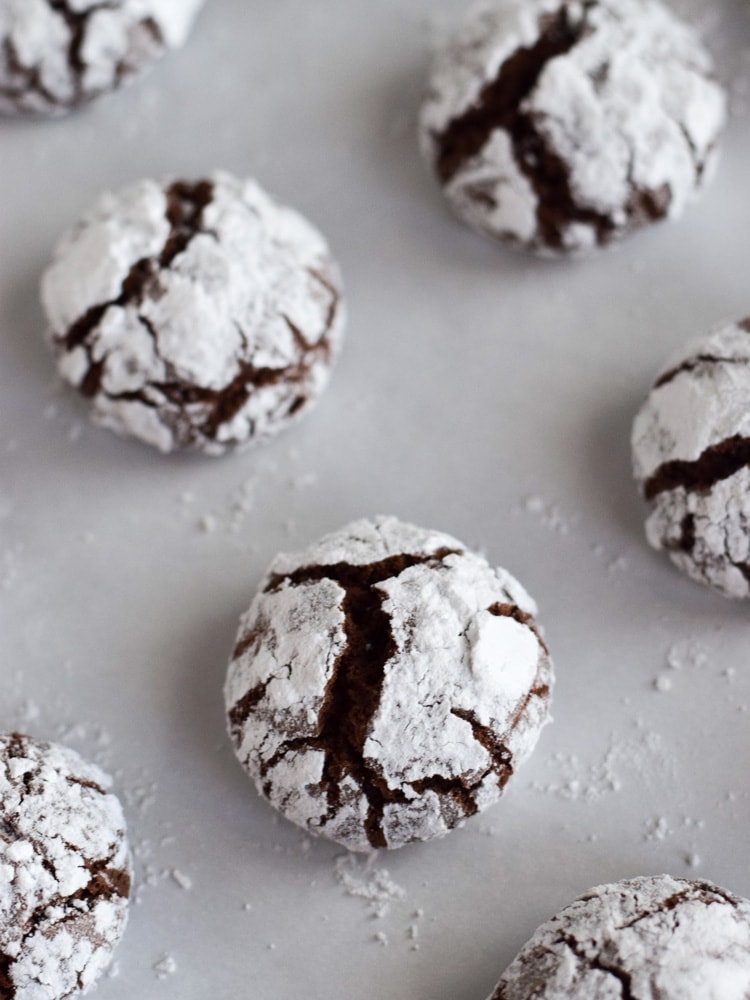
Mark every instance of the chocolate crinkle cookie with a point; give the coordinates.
(385, 685)
(56, 55)
(194, 314)
(559, 125)
(691, 457)
(652, 938)
(65, 871)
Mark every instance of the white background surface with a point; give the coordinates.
(480, 392)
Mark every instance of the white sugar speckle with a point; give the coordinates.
(181, 879)
(688, 654)
(548, 515)
(165, 966)
(208, 524)
(657, 828)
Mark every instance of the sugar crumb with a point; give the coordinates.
(208, 524)
(165, 966)
(181, 879)
(374, 885)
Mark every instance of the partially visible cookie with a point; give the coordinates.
(560, 125)
(56, 55)
(654, 938)
(385, 684)
(65, 871)
(194, 314)
(691, 458)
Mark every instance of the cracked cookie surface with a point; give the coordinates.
(385, 684)
(199, 315)
(65, 871)
(691, 459)
(56, 55)
(649, 938)
(559, 126)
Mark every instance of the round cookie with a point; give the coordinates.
(56, 55)
(559, 125)
(654, 938)
(64, 871)
(385, 684)
(691, 459)
(199, 315)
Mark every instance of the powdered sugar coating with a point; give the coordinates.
(64, 871)
(55, 56)
(691, 459)
(385, 684)
(561, 124)
(655, 938)
(194, 315)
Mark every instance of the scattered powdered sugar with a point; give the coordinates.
(165, 966)
(181, 879)
(549, 515)
(243, 501)
(413, 935)
(619, 564)
(629, 758)
(657, 828)
(208, 524)
(363, 880)
(687, 654)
